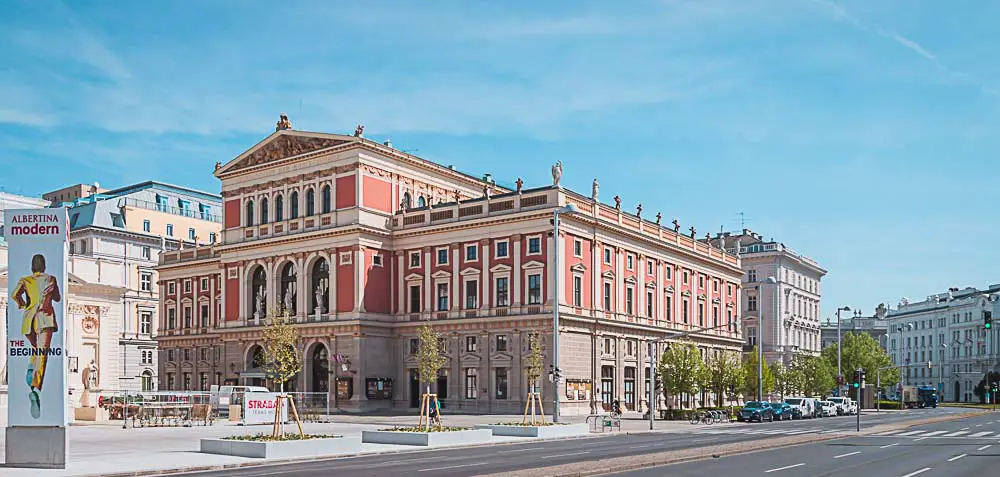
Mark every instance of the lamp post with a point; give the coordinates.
(840, 376)
(568, 209)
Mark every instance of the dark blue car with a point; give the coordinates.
(755, 411)
(782, 411)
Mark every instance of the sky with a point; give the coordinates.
(859, 133)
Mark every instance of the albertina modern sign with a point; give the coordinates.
(36, 358)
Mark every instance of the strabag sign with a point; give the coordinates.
(258, 408)
(36, 311)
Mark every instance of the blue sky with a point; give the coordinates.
(860, 133)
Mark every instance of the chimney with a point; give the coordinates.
(388, 143)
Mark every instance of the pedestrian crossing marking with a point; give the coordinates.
(931, 434)
(980, 434)
(956, 434)
(911, 433)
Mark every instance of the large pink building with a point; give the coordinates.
(364, 244)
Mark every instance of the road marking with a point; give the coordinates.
(564, 455)
(845, 455)
(453, 467)
(910, 433)
(956, 434)
(965, 428)
(920, 439)
(921, 471)
(979, 425)
(953, 459)
(783, 468)
(987, 446)
(519, 450)
(890, 445)
(640, 447)
(887, 433)
(981, 434)
(929, 434)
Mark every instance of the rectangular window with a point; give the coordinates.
(577, 291)
(146, 322)
(170, 230)
(501, 342)
(686, 277)
(414, 298)
(211, 237)
(752, 275)
(146, 226)
(204, 316)
(442, 256)
(203, 378)
(752, 336)
(701, 281)
(191, 234)
(501, 249)
(147, 253)
(442, 297)
(170, 288)
(669, 272)
(414, 346)
(607, 296)
(170, 355)
(171, 318)
(187, 286)
(649, 304)
(471, 295)
(377, 260)
(751, 303)
(715, 286)
(204, 284)
(715, 316)
(607, 256)
(649, 267)
(470, 344)
(502, 295)
(729, 320)
(471, 383)
(414, 259)
(668, 307)
(684, 310)
(535, 289)
(471, 253)
(187, 316)
(145, 281)
(534, 245)
(501, 383)
(701, 314)
(629, 292)
(577, 248)
(629, 264)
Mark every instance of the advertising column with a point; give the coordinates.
(36, 357)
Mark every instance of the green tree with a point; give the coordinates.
(750, 377)
(818, 378)
(429, 358)
(681, 370)
(721, 372)
(861, 351)
(787, 380)
(281, 358)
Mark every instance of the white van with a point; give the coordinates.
(802, 407)
(226, 395)
(843, 405)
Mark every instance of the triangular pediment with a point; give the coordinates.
(441, 274)
(533, 264)
(669, 289)
(500, 268)
(470, 272)
(608, 274)
(283, 145)
(579, 268)
(413, 276)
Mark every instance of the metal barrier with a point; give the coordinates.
(156, 408)
(602, 422)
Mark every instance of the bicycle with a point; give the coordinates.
(702, 417)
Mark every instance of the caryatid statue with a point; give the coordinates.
(557, 172)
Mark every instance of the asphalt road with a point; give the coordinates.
(529, 455)
(944, 449)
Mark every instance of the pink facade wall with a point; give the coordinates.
(570, 260)
(345, 286)
(376, 281)
(232, 298)
(377, 194)
(231, 213)
(346, 191)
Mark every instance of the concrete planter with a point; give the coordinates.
(447, 438)
(282, 449)
(544, 432)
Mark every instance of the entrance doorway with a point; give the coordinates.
(414, 388)
(958, 391)
(320, 370)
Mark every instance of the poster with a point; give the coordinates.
(36, 290)
(578, 390)
(258, 408)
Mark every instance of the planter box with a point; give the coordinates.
(282, 449)
(544, 432)
(448, 438)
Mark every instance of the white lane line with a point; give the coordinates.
(921, 471)
(956, 434)
(564, 455)
(953, 459)
(519, 450)
(783, 468)
(640, 447)
(888, 433)
(981, 434)
(911, 433)
(930, 434)
(452, 467)
(888, 446)
(965, 428)
(920, 439)
(979, 425)
(845, 455)
(987, 446)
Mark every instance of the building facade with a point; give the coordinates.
(71, 194)
(115, 239)
(364, 244)
(874, 325)
(941, 341)
(782, 317)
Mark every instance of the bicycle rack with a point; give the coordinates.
(604, 422)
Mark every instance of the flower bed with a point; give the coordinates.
(545, 431)
(263, 446)
(417, 436)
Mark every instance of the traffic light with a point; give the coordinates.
(854, 385)
(988, 320)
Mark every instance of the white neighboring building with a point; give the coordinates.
(943, 341)
(793, 326)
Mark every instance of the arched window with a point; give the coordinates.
(406, 200)
(258, 293)
(319, 280)
(326, 199)
(279, 208)
(263, 210)
(147, 381)
(249, 219)
(295, 206)
(310, 203)
(288, 291)
(421, 202)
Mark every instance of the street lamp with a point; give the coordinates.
(840, 376)
(568, 209)
(760, 343)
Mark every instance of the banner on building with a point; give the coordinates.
(259, 408)
(36, 286)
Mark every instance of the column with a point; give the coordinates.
(334, 265)
(561, 261)
(516, 273)
(400, 284)
(658, 312)
(302, 281)
(619, 279)
(549, 268)
(484, 253)
(359, 279)
(456, 289)
(597, 291)
(640, 287)
(273, 282)
(428, 285)
(244, 291)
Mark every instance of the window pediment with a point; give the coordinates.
(608, 274)
(578, 268)
(500, 268)
(441, 274)
(470, 272)
(533, 264)
(413, 277)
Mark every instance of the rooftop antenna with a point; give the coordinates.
(743, 220)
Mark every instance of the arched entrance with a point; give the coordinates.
(253, 372)
(319, 365)
(288, 291)
(319, 278)
(257, 301)
(958, 391)
(414, 388)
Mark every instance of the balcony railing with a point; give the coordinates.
(184, 212)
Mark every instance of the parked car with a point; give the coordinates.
(755, 411)
(827, 409)
(852, 407)
(841, 403)
(782, 411)
(801, 407)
